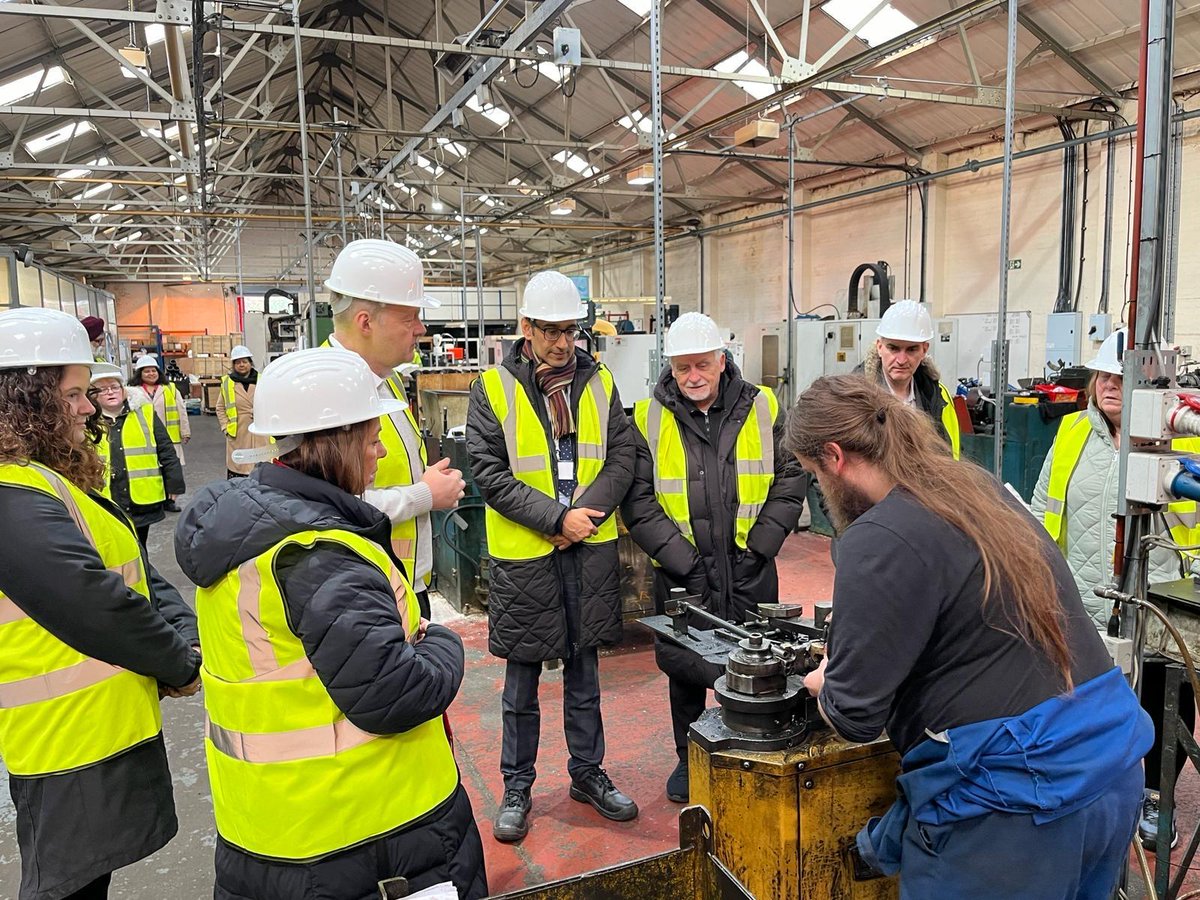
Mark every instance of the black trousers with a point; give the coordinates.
(143, 532)
(521, 713)
(97, 890)
(1154, 686)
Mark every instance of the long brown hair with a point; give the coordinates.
(335, 455)
(901, 441)
(36, 424)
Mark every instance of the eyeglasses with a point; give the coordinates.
(554, 334)
(110, 389)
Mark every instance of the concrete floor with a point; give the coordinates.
(566, 837)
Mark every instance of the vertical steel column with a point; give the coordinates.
(660, 271)
(1110, 187)
(302, 108)
(478, 297)
(1000, 360)
(462, 246)
(1171, 256)
(338, 140)
(789, 318)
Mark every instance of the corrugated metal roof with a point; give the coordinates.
(354, 79)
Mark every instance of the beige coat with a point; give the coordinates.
(242, 439)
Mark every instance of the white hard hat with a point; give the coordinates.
(383, 271)
(241, 351)
(1106, 359)
(101, 371)
(42, 337)
(552, 297)
(315, 389)
(906, 320)
(149, 361)
(692, 332)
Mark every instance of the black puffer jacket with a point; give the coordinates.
(118, 469)
(344, 613)
(732, 580)
(526, 617)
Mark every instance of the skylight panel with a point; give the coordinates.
(95, 190)
(452, 146)
(639, 122)
(495, 114)
(79, 173)
(53, 138)
(740, 62)
(884, 25)
(26, 85)
(637, 7)
(575, 163)
(429, 166)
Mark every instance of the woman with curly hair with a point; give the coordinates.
(90, 636)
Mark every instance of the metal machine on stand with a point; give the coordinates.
(787, 796)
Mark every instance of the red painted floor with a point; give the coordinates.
(568, 838)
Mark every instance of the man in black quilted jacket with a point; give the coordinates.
(553, 455)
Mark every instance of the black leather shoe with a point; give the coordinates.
(170, 506)
(512, 818)
(677, 784)
(597, 789)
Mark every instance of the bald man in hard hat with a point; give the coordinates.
(714, 496)
(900, 362)
(377, 290)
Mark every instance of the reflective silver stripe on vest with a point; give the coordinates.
(588, 450)
(408, 437)
(1054, 506)
(509, 426)
(653, 423)
(254, 635)
(149, 451)
(59, 683)
(762, 415)
(1186, 519)
(287, 746)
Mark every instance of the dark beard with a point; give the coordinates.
(844, 501)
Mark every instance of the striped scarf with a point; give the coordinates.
(555, 383)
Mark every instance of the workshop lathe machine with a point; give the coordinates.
(785, 794)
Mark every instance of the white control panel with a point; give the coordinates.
(1150, 410)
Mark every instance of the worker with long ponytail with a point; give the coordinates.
(958, 628)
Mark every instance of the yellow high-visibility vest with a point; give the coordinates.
(755, 461)
(230, 399)
(1072, 435)
(60, 709)
(141, 458)
(530, 460)
(171, 412)
(291, 777)
(950, 422)
(404, 465)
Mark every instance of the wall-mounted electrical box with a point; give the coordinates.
(1064, 337)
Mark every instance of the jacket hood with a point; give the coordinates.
(873, 365)
(230, 522)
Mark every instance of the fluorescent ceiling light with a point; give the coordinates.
(116, 207)
(453, 146)
(136, 56)
(742, 63)
(563, 207)
(26, 85)
(57, 136)
(884, 25)
(128, 238)
(487, 201)
(498, 116)
(575, 163)
(638, 7)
